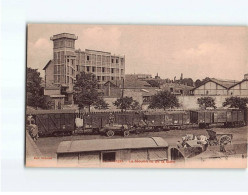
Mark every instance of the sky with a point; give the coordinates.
(196, 51)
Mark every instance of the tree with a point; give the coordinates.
(236, 102)
(163, 100)
(35, 97)
(198, 83)
(135, 105)
(188, 81)
(101, 104)
(124, 103)
(85, 90)
(205, 102)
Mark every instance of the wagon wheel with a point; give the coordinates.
(110, 133)
(225, 139)
(126, 133)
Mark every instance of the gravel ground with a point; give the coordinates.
(49, 145)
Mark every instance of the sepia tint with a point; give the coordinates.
(136, 96)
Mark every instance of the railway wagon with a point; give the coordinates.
(177, 119)
(54, 122)
(167, 120)
(235, 118)
(99, 120)
(204, 118)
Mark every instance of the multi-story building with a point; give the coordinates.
(67, 63)
(103, 65)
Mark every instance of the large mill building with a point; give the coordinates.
(61, 71)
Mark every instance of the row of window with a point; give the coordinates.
(101, 69)
(92, 59)
(64, 43)
(62, 79)
(107, 78)
(59, 69)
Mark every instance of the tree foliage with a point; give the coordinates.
(126, 103)
(206, 102)
(101, 104)
(35, 97)
(163, 100)
(85, 91)
(236, 102)
(198, 83)
(188, 81)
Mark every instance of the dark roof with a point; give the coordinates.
(111, 144)
(132, 81)
(48, 63)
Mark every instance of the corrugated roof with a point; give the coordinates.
(111, 144)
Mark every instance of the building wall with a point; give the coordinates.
(190, 102)
(240, 89)
(210, 88)
(136, 94)
(49, 75)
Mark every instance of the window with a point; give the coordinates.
(112, 60)
(108, 157)
(103, 78)
(68, 60)
(98, 78)
(207, 92)
(117, 61)
(88, 58)
(93, 69)
(88, 69)
(112, 70)
(103, 69)
(112, 78)
(171, 89)
(77, 68)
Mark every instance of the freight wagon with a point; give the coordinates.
(167, 120)
(54, 122)
(230, 118)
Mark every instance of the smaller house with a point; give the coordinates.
(53, 95)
